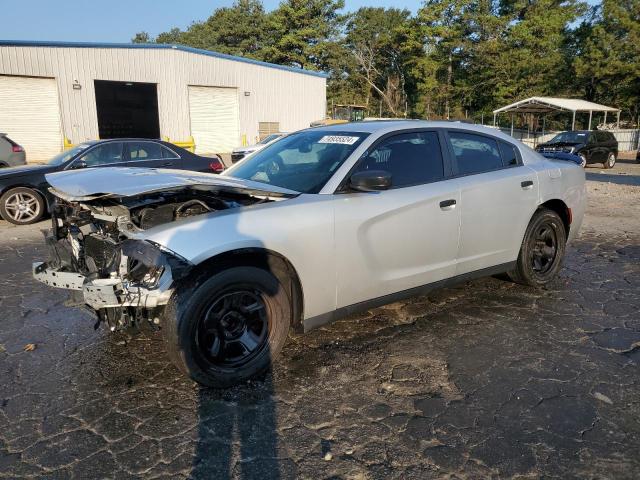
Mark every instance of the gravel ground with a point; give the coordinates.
(489, 379)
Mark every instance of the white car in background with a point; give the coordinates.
(321, 224)
(239, 153)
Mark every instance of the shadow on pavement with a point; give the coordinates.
(237, 439)
(614, 178)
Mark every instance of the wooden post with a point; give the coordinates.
(573, 121)
(512, 124)
(618, 121)
(494, 119)
(590, 115)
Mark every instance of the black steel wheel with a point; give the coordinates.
(228, 328)
(542, 250)
(233, 330)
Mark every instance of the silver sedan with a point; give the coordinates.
(320, 224)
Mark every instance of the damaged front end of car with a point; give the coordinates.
(98, 252)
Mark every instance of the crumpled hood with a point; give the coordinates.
(92, 183)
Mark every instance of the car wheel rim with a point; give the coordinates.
(583, 161)
(234, 329)
(544, 249)
(612, 160)
(22, 207)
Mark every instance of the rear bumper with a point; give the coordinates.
(106, 292)
(15, 160)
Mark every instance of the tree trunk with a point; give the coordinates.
(449, 80)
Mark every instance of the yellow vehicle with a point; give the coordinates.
(342, 114)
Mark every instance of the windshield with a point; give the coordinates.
(67, 155)
(570, 137)
(269, 138)
(302, 161)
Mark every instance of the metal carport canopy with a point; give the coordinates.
(551, 104)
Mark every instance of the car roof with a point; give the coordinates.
(125, 139)
(390, 126)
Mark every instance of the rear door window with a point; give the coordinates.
(608, 137)
(143, 151)
(474, 153)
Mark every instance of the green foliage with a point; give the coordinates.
(607, 61)
(300, 32)
(453, 58)
(141, 37)
(374, 38)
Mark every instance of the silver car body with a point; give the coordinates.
(239, 153)
(9, 157)
(358, 249)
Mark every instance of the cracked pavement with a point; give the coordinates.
(489, 379)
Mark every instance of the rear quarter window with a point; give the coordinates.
(509, 154)
(475, 153)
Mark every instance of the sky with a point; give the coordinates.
(119, 20)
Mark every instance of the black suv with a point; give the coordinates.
(596, 146)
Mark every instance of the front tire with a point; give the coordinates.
(610, 161)
(542, 250)
(22, 206)
(230, 328)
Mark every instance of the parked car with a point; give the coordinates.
(596, 146)
(638, 156)
(239, 153)
(11, 154)
(321, 224)
(24, 191)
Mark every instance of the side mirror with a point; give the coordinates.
(79, 164)
(370, 181)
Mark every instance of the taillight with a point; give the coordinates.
(16, 149)
(216, 166)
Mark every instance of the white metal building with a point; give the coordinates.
(51, 92)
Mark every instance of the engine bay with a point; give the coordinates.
(88, 235)
(94, 252)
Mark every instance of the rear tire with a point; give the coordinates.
(22, 206)
(542, 250)
(229, 328)
(610, 161)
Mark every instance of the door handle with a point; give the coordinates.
(527, 184)
(447, 204)
(168, 164)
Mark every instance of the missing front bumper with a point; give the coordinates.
(106, 292)
(147, 283)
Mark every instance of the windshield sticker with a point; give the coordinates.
(341, 139)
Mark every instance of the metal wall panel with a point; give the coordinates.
(291, 98)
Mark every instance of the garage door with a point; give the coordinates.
(30, 115)
(214, 119)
